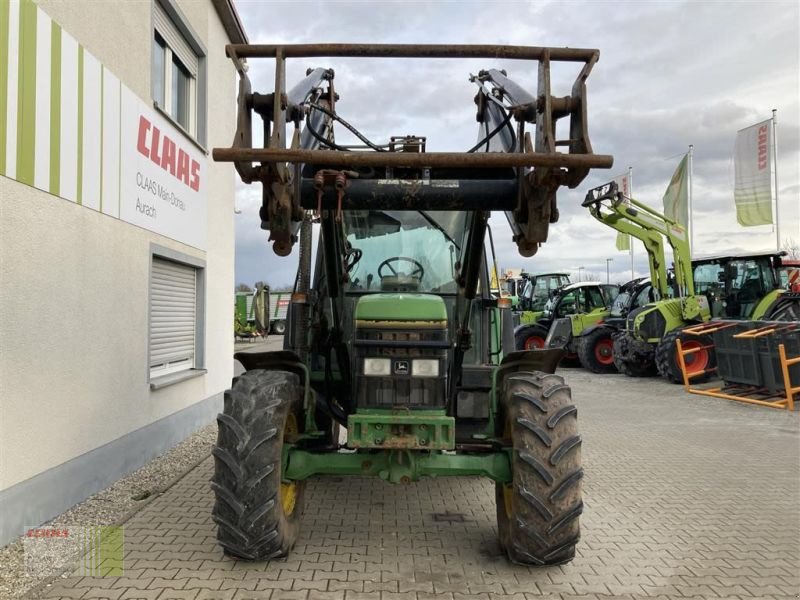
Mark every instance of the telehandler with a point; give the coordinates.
(393, 334)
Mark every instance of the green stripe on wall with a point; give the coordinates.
(26, 98)
(5, 17)
(55, 108)
(79, 195)
(102, 108)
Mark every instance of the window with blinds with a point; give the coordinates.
(173, 317)
(175, 71)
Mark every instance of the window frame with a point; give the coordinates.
(158, 380)
(196, 128)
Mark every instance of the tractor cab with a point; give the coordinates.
(737, 286)
(538, 290)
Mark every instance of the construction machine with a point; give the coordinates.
(398, 362)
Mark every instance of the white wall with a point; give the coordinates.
(74, 282)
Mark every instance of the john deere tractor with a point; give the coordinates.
(398, 362)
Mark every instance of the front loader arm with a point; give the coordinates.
(627, 215)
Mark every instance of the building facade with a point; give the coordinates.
(116, 240)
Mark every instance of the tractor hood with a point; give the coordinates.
(414, 308)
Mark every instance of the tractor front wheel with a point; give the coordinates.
(530, 338)
(596, 351)
(702, 359)
(627, 365)
(257, 514)
(538, 511)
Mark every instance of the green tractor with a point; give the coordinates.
(746, 287)
(742, 287)
(569, 317)
(536, 291)
(398, 362)
(648, 310)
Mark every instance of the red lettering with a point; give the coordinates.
(144, 127)
(168, 156)
(762, 148)
(154, 148)
(195, 182)
(183, 167)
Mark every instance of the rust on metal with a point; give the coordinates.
(414, 159)
(411, 51)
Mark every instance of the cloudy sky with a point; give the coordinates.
(670, 74)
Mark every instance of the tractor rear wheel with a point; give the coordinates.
(785, 308)
(530, 338)
(703, 359)
(257, 515)
(538, 511)
(626, 366)
(596, 351)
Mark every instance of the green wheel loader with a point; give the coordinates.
(397, 361)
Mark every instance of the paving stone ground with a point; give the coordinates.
(686, 497)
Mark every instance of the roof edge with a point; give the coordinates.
(230, 21)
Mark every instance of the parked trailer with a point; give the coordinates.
(277, 305)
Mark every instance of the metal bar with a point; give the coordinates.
(411, 51)
(787, 382)
(381, 194)
(414, 159)
(716, 394)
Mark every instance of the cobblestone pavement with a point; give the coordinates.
(686, 497)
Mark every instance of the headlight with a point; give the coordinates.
(377, 367)
(424, 368)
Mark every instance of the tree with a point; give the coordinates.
(243, 287)
(792, 248)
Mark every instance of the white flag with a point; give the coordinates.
(753, 184)
(624, 184)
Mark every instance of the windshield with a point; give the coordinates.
(545, 286)
(413, 249)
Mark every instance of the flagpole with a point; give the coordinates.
(630, 240)
(775, 159)
(691, 182)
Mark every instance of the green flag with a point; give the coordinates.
(676, 198)
(623, 241)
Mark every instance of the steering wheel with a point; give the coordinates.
(418, 271)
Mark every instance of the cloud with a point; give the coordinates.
(670, 74)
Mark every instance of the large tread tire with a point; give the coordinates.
(538, 512)
(785, 308)
(630, 368)
(530, 337)
(595, 351)
(262, 410)
(667, 356)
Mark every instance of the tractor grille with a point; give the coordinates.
(400, 387)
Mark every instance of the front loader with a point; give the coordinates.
(674, 303)
(395, 344)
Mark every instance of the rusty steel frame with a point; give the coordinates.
(276, 151)
(539, 168)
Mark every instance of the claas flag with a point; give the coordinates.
(624, 186)
(676, 198)
(753, 182)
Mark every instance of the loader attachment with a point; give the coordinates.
(517, 166)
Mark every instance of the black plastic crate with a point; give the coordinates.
(737, 358)
(787, 334)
